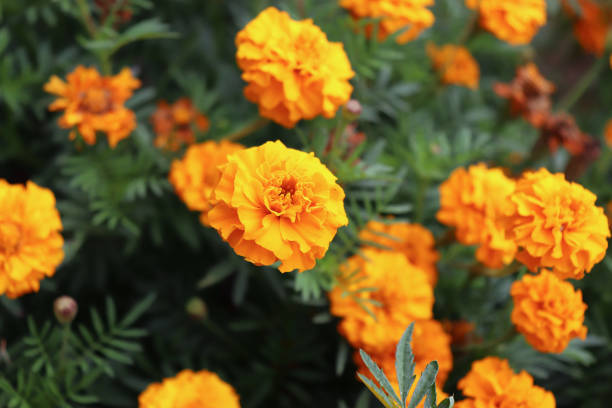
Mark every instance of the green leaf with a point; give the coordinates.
(431, 397)
(447, 403)
(138, 310)
(378, 393)
(428, 378)
(145, 30)
(379, 376)
(404, 363)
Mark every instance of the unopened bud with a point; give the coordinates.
(353, 109)
(196, 308)
(65, 309)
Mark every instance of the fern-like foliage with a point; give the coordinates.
(56, 366)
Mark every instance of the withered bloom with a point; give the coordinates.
(560, 129)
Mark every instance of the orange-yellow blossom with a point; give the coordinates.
(455, 65)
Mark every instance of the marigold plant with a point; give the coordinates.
(556, 225)
(278, 204)
(30, 239)
(548, 312)
(195, 176)
(414, 241)
(455, 65)
(471, 201)
(95, 103)
(592, 22)
(174, 124)
(409, 16)
(292, 70)
(513, 21)
(189, 389)
(492, 383)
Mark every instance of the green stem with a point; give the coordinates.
(105, 63)
(581, 86)
(86, 17)
(419, 209)
(247, 130)
(64, 347)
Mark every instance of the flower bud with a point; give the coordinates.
(196, 308)
(65, 309)
(353, 109)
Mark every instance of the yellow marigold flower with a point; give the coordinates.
(174, 124)
(94, 103)
(414, 241)
(513, 21)
(292, 70)
(492, 383)
(556, 225)
(455, 65)
(395, 292)
(471, 201)
(394, 16)
(548, 312)
(30, 239)
(196, 175)
(278, 204)
(591, 25)
(189, 389)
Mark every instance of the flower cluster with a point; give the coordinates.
(413, 16)
(413, 241)
(492, 383)
(196, 175)
(591, 24)
(455, 65)
(95, 103)
(556, 224)
(292, 70)
(471, 201)
(548, 311)
(174, 124)
(277, 204)
(189, 389)
(513, 21)
(30, 239)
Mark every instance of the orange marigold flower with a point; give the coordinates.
(591, 24)
(292, 70)
(548, 312)
(529, 94)
(402, 295)
(414, 241)
(455, 65)
(188, 389)
(608, 133)
(394, 15)
(471, 201)
(30, 239)
(561, 129)
(173, 124)
(556, 224)
(196, 175)
(492, 383)
(278, 204)
(513, 21)
(95, 103)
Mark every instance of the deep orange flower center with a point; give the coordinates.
(287, 197)
(10, 238)
(96, 100)
(562, 213)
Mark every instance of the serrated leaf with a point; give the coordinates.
(428, 378)
(138, 310)
(378, 393)
(404, 363)
(379, 376)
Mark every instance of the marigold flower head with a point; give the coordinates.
(556, 224)
(174, 124)
(455, 65)
(189, 389)
(402, 295)
(529, 94)
(120, 10)
(95, 103)
(513, 21)
(461, 332)
(30, 239)
(471, 201)
(591, 24)
(196, 175)
(292, 70)
(492, 383)
(278, 204)
(394, 15)
(414, 241)
(561, 129)
(548, 311)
